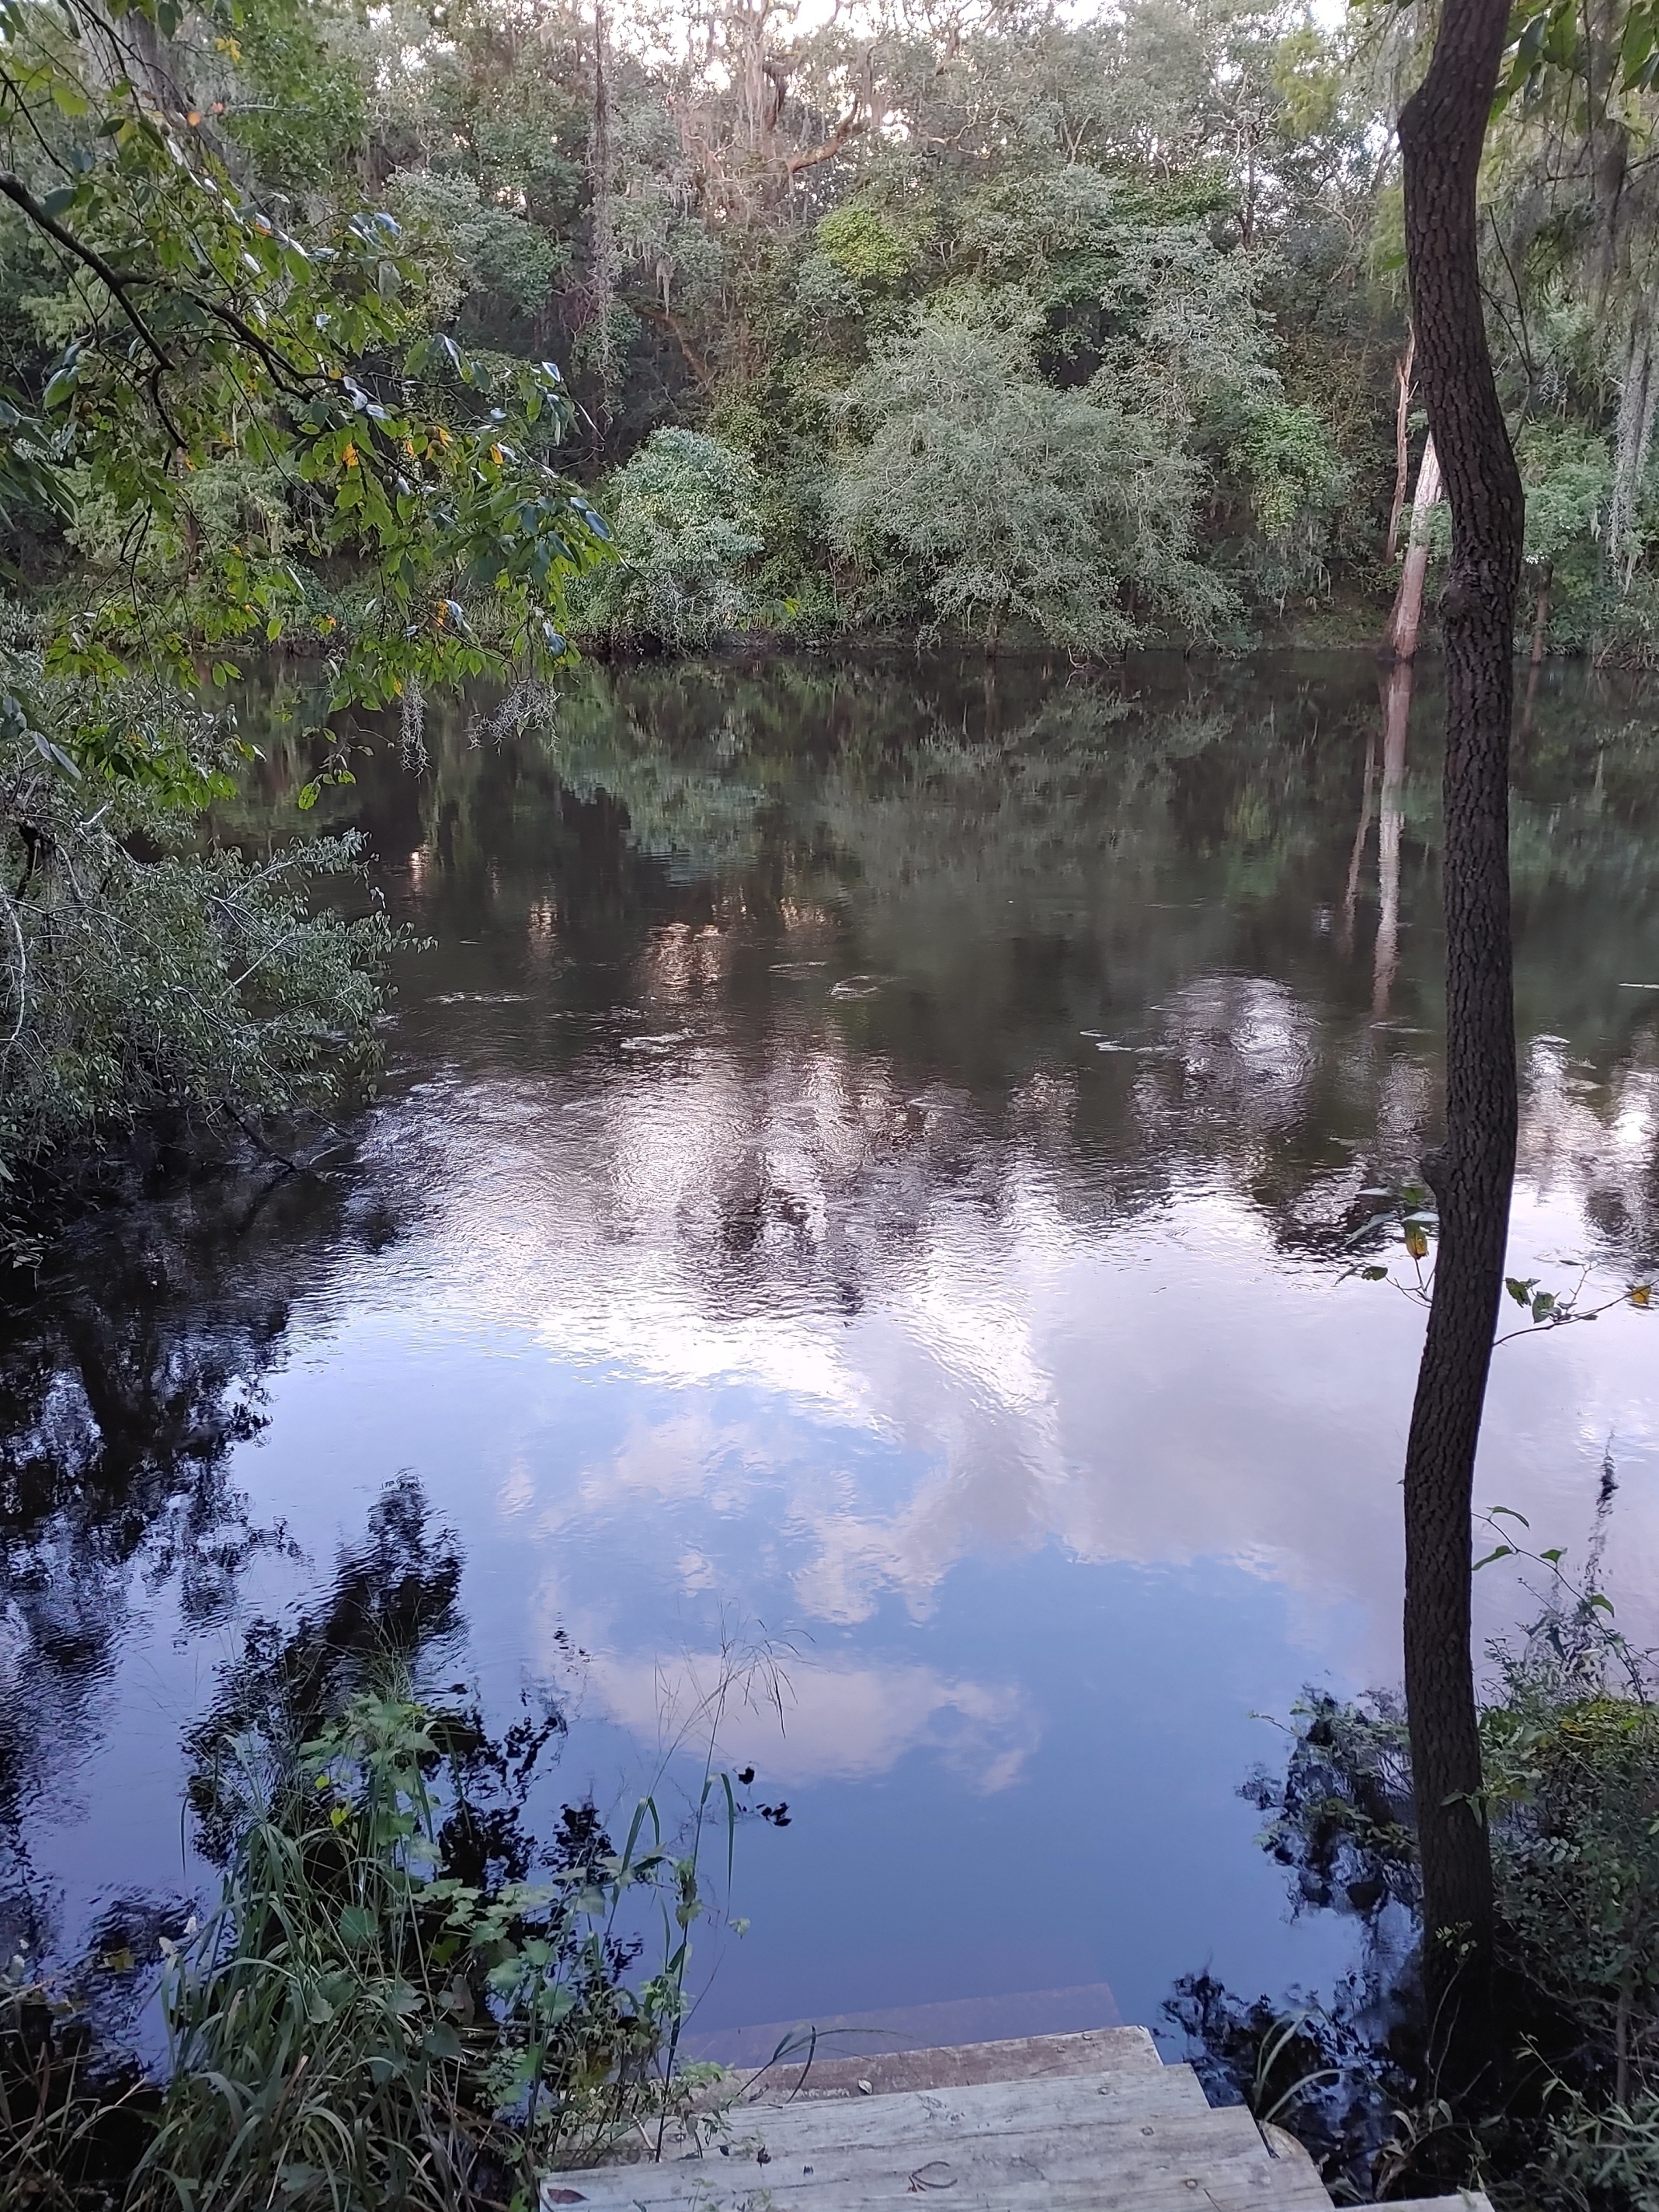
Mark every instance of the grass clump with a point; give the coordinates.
(401, 2001)
(370, 2029)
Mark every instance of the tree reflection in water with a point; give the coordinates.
(128, 1376)
(769, 1003)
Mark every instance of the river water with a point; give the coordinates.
(861, 1178)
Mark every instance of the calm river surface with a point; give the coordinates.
(866, 1163)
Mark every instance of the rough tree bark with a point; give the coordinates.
(1442, 129)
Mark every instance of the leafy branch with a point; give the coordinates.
(1410, 1210)
(210, 334)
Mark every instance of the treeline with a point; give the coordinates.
(1007, 325)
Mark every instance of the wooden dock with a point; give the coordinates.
(1085, 2123)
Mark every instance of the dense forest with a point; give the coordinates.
(1008, 322)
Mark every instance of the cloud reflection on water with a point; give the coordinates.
(882, 1167)
(1034, 1359)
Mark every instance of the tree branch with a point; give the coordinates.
(18, 192)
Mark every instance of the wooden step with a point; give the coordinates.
(1025, 2059)
(1087, 2123)
(826, 2074)
(1467, 2200)
(1105, 2142)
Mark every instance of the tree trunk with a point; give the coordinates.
(1402, 419)
(1540, 616)
(1396, 717)
(603, 282)
(1442, 129)
(1407, 616)
(1541, 622)
(1638, 398)
(1356, 859)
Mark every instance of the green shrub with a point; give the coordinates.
(1000, 504)
(683, 518)
(382, 2009)
(1570, 1740)
(370, 2030)
(865, 244)
(144, 970)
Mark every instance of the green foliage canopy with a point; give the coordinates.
(999, 497)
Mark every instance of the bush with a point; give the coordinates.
(142, 970)
(683, 518)
(382, 2009)
(982, 496)
(366, 2027)
(1571, 1739)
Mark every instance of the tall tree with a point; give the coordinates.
(1441, 131)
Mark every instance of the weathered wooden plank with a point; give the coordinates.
(1180, 2145)
(984, 2108)
(1160, 2194)
(1037, 2125)
(1010, 2147)
(1025, 2057)
(1261, 2188)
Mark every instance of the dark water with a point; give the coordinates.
(864, 1166)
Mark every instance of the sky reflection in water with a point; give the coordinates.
(869, 1156)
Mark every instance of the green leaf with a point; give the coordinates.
(358, 1926)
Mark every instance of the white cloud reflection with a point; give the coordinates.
(839, 1721)
(899, 1333)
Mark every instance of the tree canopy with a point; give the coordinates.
(283, 279)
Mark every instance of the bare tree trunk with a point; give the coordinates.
(1351, 892)
(1540, 615)
(1403, 426)
(1396, 716)
(1442, 129)
(1407, 616)
(1638, 400)
(1541, 622)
